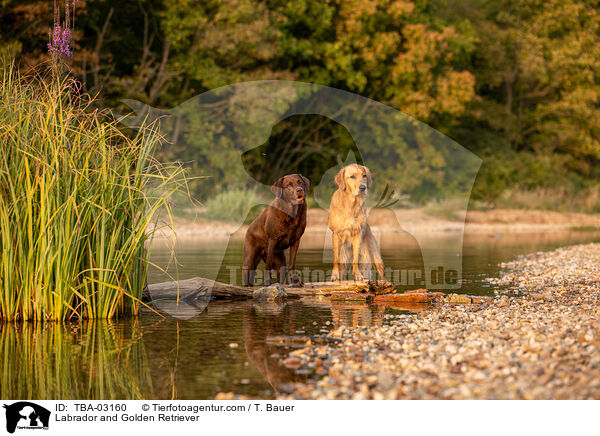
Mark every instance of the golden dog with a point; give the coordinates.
(352, 236)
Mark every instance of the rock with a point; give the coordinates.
(437, 294)
(536, 296)
(359, 396)
(292, 363)
(503, 302)
(459, 299)
(521, 346)
(386, 380)
(481, 300)
(224, 396)
(270, 293)
(541, 296)
(293, 341)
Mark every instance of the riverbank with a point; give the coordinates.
(409, 220)
(539, 339)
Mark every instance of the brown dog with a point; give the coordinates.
(278, 227)
(352, 236)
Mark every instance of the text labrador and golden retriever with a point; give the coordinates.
(352, 236)
(278, 227)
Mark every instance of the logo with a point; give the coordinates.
(410, 162)
(26, 415)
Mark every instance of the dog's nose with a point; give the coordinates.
(362, 187)
(300, 191)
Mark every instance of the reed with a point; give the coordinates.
(100, 360)
(75, 203)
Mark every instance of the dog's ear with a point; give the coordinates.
(277, 187)
(340, 179)
(305, 181)
(369, 178)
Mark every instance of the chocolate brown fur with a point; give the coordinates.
(278, 227)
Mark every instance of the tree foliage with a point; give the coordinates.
(515, 81)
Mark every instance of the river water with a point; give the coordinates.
(200, 351)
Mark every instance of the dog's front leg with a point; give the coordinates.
(335, 273)
(296, 281)
(269, 262)
(355, 254)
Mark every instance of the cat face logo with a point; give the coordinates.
(26, 415)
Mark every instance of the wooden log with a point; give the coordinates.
(324, 288)
(406, 298)
(199, 287)
(351, 296)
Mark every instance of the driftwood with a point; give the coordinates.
(197, 288)
(201, 288)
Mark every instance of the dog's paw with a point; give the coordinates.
(358, 277)
(296, 281)
(335, 278)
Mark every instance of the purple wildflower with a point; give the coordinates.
(61, 38)
(60, 42)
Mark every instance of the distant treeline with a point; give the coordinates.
(516, 82)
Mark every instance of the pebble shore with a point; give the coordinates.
(538, 339)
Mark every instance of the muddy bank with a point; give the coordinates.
(538, 339)
(408, 220)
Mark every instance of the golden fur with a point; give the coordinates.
(352, 236)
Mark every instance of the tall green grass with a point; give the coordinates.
(99, 360)
(74, 204)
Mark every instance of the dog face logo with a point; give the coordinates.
(26, 415)
(400, 153)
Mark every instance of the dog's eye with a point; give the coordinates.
(352, 177)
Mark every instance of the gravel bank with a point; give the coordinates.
(540, 339)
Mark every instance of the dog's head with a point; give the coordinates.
(291, 188)
(354, 179)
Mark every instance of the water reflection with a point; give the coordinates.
(480, 256)
(221, 347)
(94, 360)
(259, 323)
